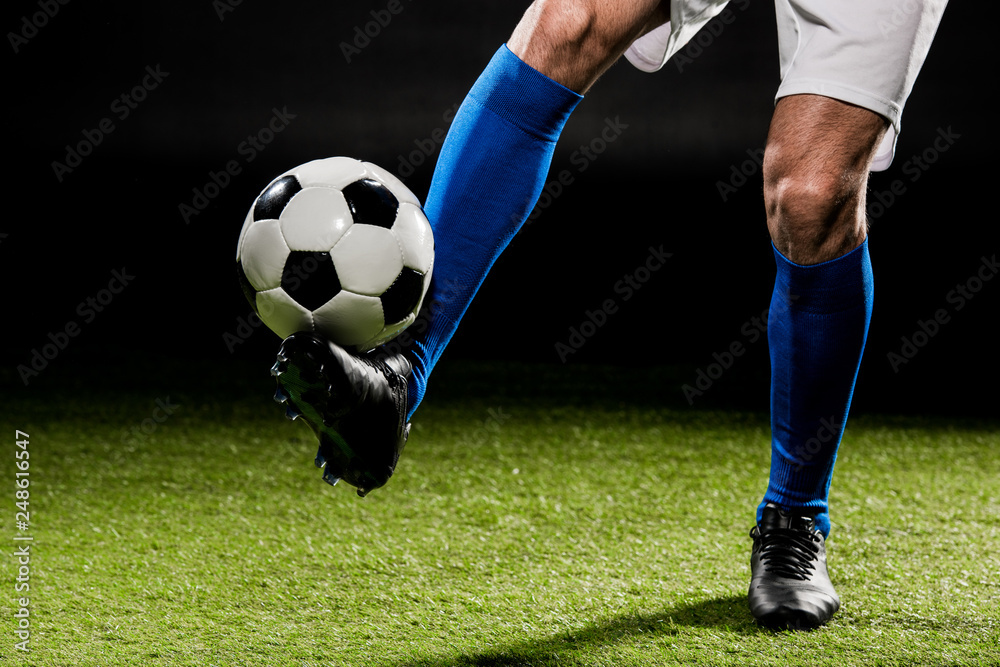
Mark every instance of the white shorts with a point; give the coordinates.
(864, 52)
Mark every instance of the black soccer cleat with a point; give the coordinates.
(789, 585)
(356, 405)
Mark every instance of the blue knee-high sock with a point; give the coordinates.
(817, 326)
(488, 177)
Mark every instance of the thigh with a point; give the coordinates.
(818, 134)
(863, 52)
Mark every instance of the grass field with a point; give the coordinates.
(526, 525)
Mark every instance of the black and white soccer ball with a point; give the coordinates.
(339, 247)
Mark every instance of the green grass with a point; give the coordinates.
(520, 529)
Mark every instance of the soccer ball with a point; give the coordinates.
(339, 247)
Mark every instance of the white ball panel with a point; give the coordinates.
(331, 172)
(403, 193)
(264, 254)
(389, 332)
(415, 237)
(349, 319)
(282, 314)
(315, 219)
(367, 259)
(427, 284)
(243, 233)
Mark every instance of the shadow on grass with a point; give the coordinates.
(726, 613)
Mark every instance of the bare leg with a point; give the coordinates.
(815, 174)
(575, 41)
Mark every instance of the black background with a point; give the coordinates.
(684, 130)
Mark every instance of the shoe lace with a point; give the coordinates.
(788, 552)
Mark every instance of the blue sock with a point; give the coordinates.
(817, 326)
(490, 173)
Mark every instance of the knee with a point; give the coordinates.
(572, 41)
(815, 208)
(815, 174)
(572, 25)
(809, 198)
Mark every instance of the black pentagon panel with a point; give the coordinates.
(271, 201)
(371, 203)
(310, 278)
(402, 296)
(248, 291)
